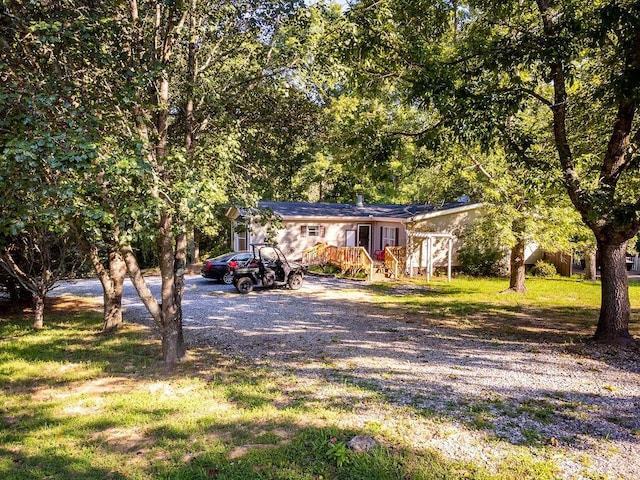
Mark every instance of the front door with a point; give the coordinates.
(364, 236)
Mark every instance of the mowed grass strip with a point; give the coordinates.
(566, 309)
(78, 404)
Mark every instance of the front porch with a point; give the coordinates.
(389, 263)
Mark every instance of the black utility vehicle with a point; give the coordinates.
(268, 268)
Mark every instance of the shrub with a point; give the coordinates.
(487, 262)
(482, 251)
(543, 269)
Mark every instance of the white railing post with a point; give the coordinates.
(449, 259)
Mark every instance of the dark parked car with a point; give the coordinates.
(222, 266)
(268, 268)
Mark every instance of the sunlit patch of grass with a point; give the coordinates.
(549, 306)
(80, 404)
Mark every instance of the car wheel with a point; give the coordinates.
(244, 285)
(295, 281)
(228, 278)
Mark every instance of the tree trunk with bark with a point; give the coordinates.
(171, 301)
(590, 267)
(111, 278)
(615, 312)
(113, 285)
(518, 270)
(195, 246)
(613, 221)
(38, 311)
(180, 266)
(166, 312)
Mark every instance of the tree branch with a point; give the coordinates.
(559, 109)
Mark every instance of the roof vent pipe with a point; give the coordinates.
(360, 201)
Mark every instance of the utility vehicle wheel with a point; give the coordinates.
(295, 281)
(244, 285)
(227, 278)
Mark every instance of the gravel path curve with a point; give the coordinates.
(576, 405)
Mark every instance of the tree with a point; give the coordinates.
(150, 88)
(479, 61)
(38, 259)
(57, 114)
(238, 48)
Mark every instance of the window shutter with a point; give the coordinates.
(322, 231)
(303, 230)
(381, 239)
(397, 237)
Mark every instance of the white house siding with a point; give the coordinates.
(441, 223)
(293, 242)
(333, 231)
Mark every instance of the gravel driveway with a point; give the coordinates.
(576, 405)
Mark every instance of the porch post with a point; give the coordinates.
(449, 259)
(410, 253)
(429, 257)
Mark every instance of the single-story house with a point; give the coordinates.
(428, 231)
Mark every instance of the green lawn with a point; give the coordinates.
(563, 308)
(76, 404)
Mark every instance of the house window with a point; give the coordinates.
(312, 231)
(389, 237)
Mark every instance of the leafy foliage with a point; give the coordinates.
(481, 252)
(543, 269)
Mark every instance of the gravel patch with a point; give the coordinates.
(469, 396)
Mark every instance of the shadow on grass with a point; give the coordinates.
(139, 441)
(316, 453)
(70, 338)
(52, 464)
(411, 338)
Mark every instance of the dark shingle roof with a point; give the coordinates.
(347, 210)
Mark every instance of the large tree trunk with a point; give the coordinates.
(165, 314)
(38, 311)
(172, 340)
(613, 222)
(516, 262)
(590, 267)
(112, 286)
(615, 310)
(517, 278)
(112, 280)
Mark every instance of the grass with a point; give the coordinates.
(78, 404)
(559, 309)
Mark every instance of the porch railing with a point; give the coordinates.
(354, 260)
(395, 259)
(351, 260)
(316, 255)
